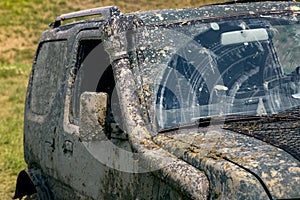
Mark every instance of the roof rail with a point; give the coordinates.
(106, 13)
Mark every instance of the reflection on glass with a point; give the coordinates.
(235, 67)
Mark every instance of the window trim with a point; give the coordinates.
(68, 126)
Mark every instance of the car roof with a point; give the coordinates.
(169, 16)
(218, 10)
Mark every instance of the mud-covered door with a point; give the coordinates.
(44, 105)
(90, 71)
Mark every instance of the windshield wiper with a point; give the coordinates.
(292, 114)
(241, 117)
(212, 120)
(203, 122)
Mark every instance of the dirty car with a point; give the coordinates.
(195, 103)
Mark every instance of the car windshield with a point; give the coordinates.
(230, 67)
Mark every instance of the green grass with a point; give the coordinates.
(13, 82)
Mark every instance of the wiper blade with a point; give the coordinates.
(200, 122)
(287, 115)
(292, 114)
(177, 127)
(206, 121)
(227, 119)
(212, 120)
(240, 117)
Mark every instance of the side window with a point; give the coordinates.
(47, 75)
(92, 72)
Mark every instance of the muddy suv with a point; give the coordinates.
(198, 103)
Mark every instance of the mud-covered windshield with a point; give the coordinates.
(193, 70)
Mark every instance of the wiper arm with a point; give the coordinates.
(177, 127)
(201, 122)
(287, 115)
(240, 117)
(206, 121)
(292, 114)
(226, 119)
(212, 120)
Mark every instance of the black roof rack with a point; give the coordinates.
(106, 13)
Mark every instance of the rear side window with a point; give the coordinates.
(47, 75)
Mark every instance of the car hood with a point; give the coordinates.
(236, 164)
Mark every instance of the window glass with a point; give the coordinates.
(48, 73)
(92, 62)
(231, 68)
